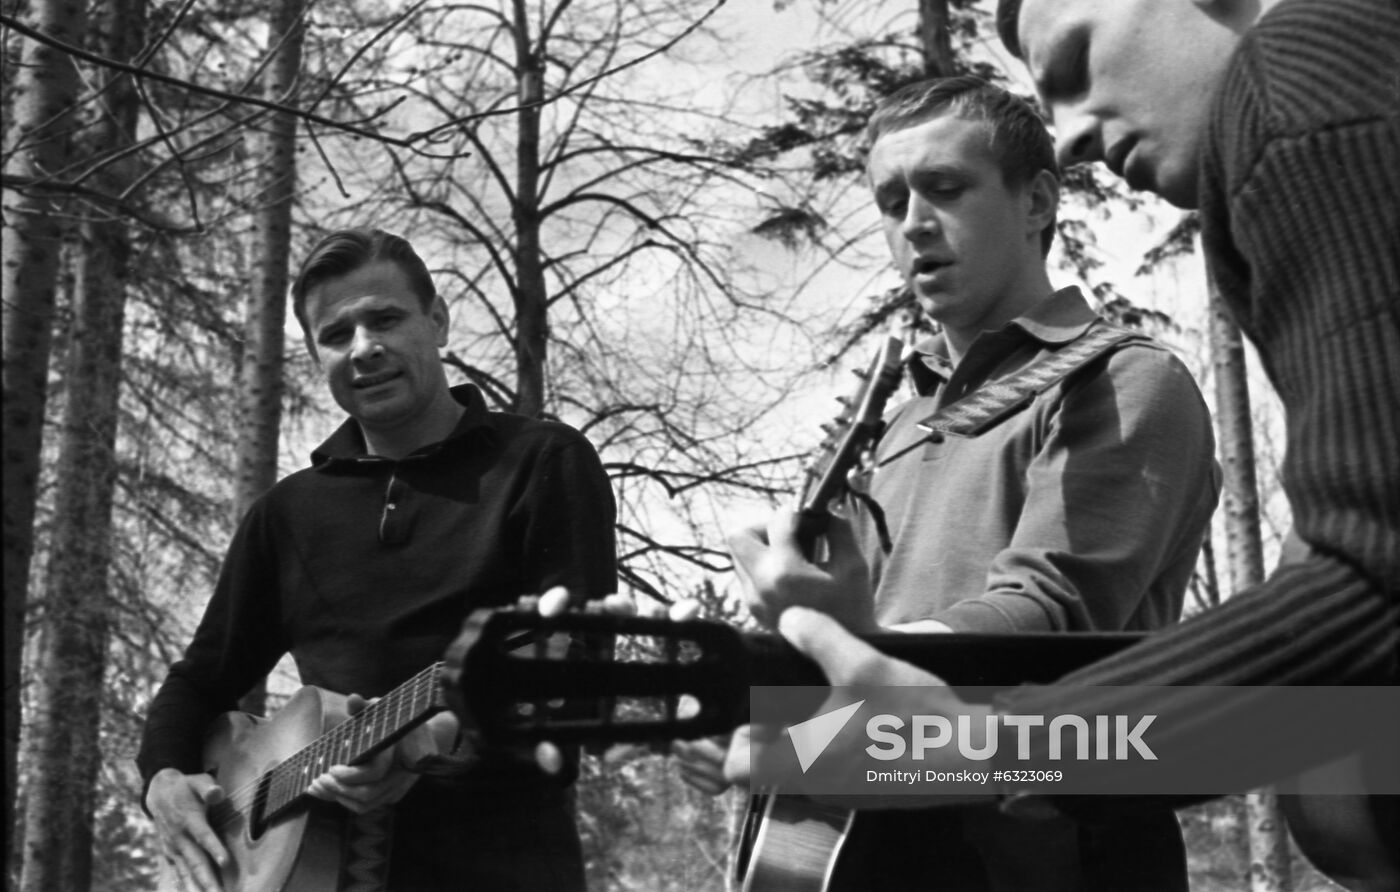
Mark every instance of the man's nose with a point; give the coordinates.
(1077, 138)
(919, 218)
(365, 344)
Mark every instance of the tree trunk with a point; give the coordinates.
(65, 731)
(937, 39)
(1235, 425)
(63, 735)
(45, 87)
(1269, 869)
(531, 293)
(261, 376)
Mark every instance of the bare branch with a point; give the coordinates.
(147, 218)
(241, 99)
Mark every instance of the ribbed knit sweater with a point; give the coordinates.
(1300, 187)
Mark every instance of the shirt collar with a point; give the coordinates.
(347, 443)
(1060, 318)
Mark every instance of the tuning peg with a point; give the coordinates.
(862, 374)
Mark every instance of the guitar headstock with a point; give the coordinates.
(858, 425)
(513, 677)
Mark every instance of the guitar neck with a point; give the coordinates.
(854, 431)
(711, 662)
(356, 740)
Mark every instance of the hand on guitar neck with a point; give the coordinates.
(776, 574)
(387, 777)
(809, 557)
(820, 607)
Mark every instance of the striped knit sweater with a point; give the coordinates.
(1301, 218)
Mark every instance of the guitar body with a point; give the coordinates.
(281, 838)
(789, 844)
(301, 851)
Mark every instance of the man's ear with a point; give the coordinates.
(1043, 193)
(438, 313)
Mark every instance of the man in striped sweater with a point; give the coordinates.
(1294, 163)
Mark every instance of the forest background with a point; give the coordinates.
(649, 221)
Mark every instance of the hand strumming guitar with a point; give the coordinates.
(847, 661)
(179, 804)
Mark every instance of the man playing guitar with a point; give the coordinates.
(1083, 509)
(421, 507)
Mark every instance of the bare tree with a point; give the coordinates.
(580, 215)
(260, 377)
(63, 733)
(39, 135)
(1269, 869)
(260, 386)
(582, 229)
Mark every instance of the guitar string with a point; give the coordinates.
(288, 784)
(287, 774)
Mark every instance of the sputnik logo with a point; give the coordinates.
(811, 738)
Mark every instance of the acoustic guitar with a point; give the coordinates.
(787, 843)
(278, 837)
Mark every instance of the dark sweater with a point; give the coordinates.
(363, 568)
(1300, 190)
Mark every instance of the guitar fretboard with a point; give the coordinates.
(380, 724)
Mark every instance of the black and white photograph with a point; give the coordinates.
(711, 446)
